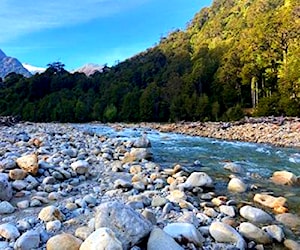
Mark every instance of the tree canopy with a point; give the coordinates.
(234, 56)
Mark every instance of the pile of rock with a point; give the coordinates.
(61, 188)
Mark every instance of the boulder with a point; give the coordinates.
(63, 241)
(28, 163)
(270, 201)
(142, 142)
(80, 166)
(6, 208)
(50, 213)
(237, 185)
(28, 241)
(255, 215)
(290, 220)
(138, 154)
(101, 239)
(224, 233)
(198, 179)
(284, 178)
(5, 188)
(234, 168)
(275, 232)
(160, 240)
(252, 232)
(9, 232)
(129, 226)
(185, 232)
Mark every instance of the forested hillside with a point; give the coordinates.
(235, 56)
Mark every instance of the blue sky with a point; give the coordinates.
(77, 32)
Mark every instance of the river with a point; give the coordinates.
(210, 155)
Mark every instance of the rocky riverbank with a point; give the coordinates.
(64, 188)
(278, 131)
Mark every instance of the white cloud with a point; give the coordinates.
(22, 17)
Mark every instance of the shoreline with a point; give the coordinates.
(277, 132)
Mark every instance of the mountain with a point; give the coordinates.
(33, 69)
(90, 68)
(10, 64)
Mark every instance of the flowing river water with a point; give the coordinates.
(259, 161)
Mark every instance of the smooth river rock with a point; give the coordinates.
(6, 208)
(129, 226)
(255, 215)
(160, 240)
(222, 232)
(102, 239)
(252, 232)
(185, 230)
(290, 220)
(284, 178)
(198, 179)
(50, 213)
(9, 232)
(28, 241)
(237, 185)
(63, 241)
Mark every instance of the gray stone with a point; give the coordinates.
(233, 167)
(255, 215)
(9, 231)
(142, 142)
(102, 239)
(129, 226)
(228, 210)
(5, 188)
(6, 208)
(23, 204)
(53, 226)
(49, 180)
(19, 184)
(198, 179)
(291, 244)
(28, 241)
(222, 232)
(83, 232)
(186, 231)
(275, 232)
(7, 164)
(289, 220)
(160, 240)
(80, 166)
(252, 232)
(158, 201)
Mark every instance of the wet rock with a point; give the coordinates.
(236, 185)
(29, 163)
(284, 178)
(50, 213)
(28, 241)
(102, 239)
(6, 208)
(198, 179)
(63, 241)
(80, 166)
(275, 232)
(185, 232)
(142, 142)
(129, 226)
(233, 167)
(290, 220)
(255, 215)
(17, 174)
(222, 232)
(159, 240)
(252, 232)
(270, 201)
(9, 232)
(5, 188)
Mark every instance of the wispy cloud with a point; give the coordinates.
(22, 17)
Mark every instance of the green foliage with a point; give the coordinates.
(234, 55)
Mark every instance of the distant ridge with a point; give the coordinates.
(9, 64)
(33, 69)
(90, 68)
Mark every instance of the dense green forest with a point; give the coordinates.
(235, 57)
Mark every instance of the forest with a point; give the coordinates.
(234, 58)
